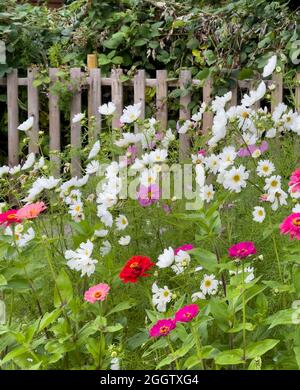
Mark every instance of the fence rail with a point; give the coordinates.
(94, 83)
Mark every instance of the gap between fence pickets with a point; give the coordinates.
(95, 82)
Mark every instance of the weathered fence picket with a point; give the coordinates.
(94, 82)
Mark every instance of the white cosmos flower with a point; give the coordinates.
(4, 170)
(100, 233)
(105, 216)
(80, 260)
(197, 295)
(158, 155)
(94, 151)
(160, 297)
(185, 127)
(259, 214)
(128, 138)
(208, 193)
(15, 169)
(296, 208)
(121, 222)
(92, 167)
(105, 248)
(209, 285)
(236, 179)
(265, 168)
(131, 113)
(277, 198)
(107, 108)
(182, 261)
(148, 177)
(125, 240)
(228, 156)
(27, 125)
(29, 162)
(115, 364)
(219, 102)
(219, 128)
(200, 175)
(212, 163)
(254, 96)
(78, 117)
(273, 183)
(249, 273)
(270, 66)
(137, 165)
(166, 258)
(25, 238)
(168, 138)
(76, 211)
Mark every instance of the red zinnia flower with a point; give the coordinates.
(134, 268)
(9, 217)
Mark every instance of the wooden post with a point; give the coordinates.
(75, 127)
(139, 85)
(184, 113)
(161, 98)
(13, 117)
(94, 97)
(297, 93)
(277, 93)
(33, 110)
(233, 101)
(54, 126)
(117, 96)
(253, 86)
(207, 116)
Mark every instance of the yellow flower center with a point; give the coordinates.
(236, 178)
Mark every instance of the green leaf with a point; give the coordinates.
(121, 306)
(48, 319)
(3, 281)
(115, 40)
(190, 342)
(297, 355)
(114, 328)
(205, 258)
(238, 328)
(259, 348)
(140, 42)
(233, 356)
(63, 290)
(282, 317)
(296, 278)
(210, 57)
(13, 354)
(245, 73)
(255, 364)
(103, 60)
(118, 60)
(193, 43)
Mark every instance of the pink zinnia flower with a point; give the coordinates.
(148, 195)
(97, 293)
(291, 226)
(187, 313)
(242, 250)
(9, 217)
(162, 328)
(263, 147)
(294, 182)
(185, 247)
(31, 210)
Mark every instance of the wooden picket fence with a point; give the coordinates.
(94, 83)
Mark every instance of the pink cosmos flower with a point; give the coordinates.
(187, 313)
(264, 197)
(167, 209)
(244, 152)
(185, 247)
(131, 154)
(202, 152)
(97, 293)
(162, 328)
(159, 136)
(148, 195)
(294, 182)
(291, 226)
(31, 210)
(242, 250)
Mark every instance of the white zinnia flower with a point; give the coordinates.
(27, 125)
(259, 214)
(107, 109)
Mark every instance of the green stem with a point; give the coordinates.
(173, 352)
(244, 313)
(275, 250)
(198, 345)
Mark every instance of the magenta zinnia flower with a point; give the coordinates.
(187, 313)
(148, 195)
(185, 247)
(242, 250)
(162, 328)
(291, 226)
(294, 182)
(97, 293)
(249, 150)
